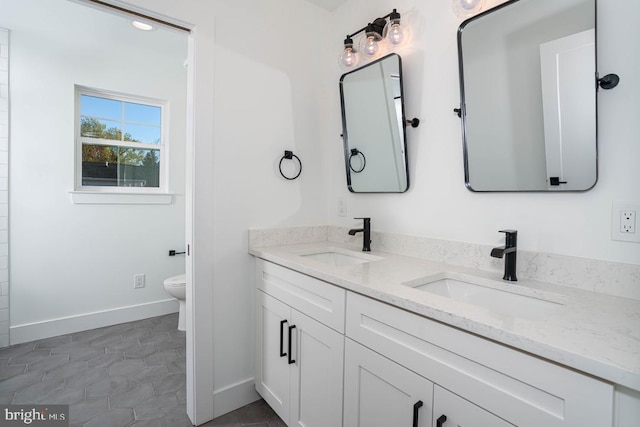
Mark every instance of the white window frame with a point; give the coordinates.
(162, 147)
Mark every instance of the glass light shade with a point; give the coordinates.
(370, 44)
(395, 34)
(349, 56)
(466, 8)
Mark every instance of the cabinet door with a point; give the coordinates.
(450, 410)
(316, 376)
(271, 368)
(380, 393)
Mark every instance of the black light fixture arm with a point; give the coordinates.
(349, 36)
(377, 25)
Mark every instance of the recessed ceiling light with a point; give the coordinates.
(142, 25)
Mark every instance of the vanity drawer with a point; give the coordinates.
(522, 389)
(317, 299)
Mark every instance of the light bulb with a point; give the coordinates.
(395, 34)
(370, 46)
(349, 57)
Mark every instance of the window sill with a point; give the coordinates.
(100, 198)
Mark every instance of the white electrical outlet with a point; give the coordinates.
(342, 207)
(623, 222)
(138, 281)
(628, 221)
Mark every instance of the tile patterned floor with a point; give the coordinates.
(132, 374)
(257, 414)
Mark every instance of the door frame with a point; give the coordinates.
(198, 202)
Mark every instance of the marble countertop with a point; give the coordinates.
(590, 332)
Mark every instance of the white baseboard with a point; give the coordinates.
(82, 322)
(234, 396)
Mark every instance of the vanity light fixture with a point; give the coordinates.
(467, 8)
(388, 27)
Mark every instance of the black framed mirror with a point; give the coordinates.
(528, 96)
(373, 127)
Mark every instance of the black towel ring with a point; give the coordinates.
(354, 153)
(289, 155)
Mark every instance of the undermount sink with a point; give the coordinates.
(494, 296)
(338, 257)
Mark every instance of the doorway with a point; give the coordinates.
(74, 254)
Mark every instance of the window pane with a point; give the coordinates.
(100, 107)
(99, 165)
(140, 113)
(142, 133)
(139, 168)
(120, 166)
(97, 128)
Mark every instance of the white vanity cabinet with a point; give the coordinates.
(380, 393)
(299, 357)
(478, 382)
(327, 357)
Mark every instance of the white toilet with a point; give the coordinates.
(176, 287)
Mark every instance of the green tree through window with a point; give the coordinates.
(92, 128)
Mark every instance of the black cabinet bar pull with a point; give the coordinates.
(416, 408)
(282, 353)
(440, 421)
(291, 361)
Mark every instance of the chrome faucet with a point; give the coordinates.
(509, 253)
(366, 234)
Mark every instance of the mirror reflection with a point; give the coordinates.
(528, 96)
(373, 127)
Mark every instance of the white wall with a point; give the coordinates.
(268, 99)
(270, 96)
(438, 205)
(69, 259)
(263, 83)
